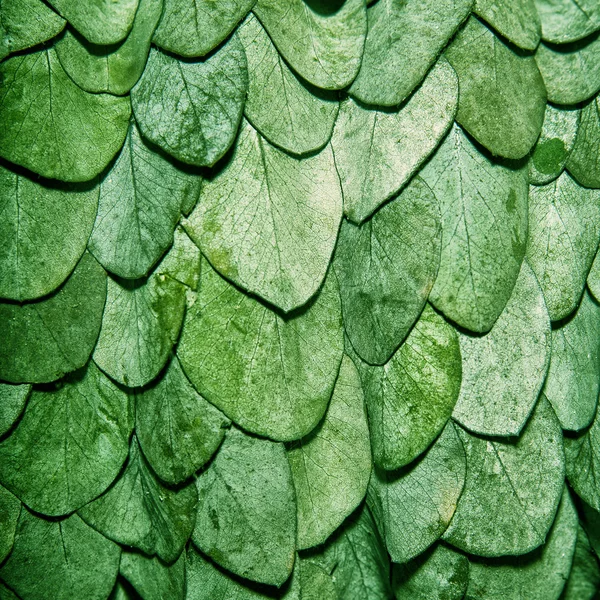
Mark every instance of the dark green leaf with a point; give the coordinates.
(10, 509)
(568, 20)
(6, 593)
(44, 339)
(509, 87)
(12, 403)
(584, 161)
(584, 579)
(192, 109)
(152, 578)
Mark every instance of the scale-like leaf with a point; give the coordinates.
(410, 398)
(51, 126)
(386, 268)
(568, 20)
(152, 578)
(10, 509)
(484, 231)
(403, 41)
(269, 221)
(332, 465)
(322, 41)
(584, 579)
(196, 114)
(413, 506)
(377, 152)
(564, 230)
(512, 488)
(45, 229)
(44, 339)
(70, 444)
(504, 370)
(281, 370)
(502, 101)
(195, 28)
(247, 509)
(584, 161)
(292, 115)
(62, 560)
(138, 510)
(12, 403)
(109, 69)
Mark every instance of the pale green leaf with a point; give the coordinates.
(138, 510)
(291, 115)
(554, 145)
(44, 339)
(152, 578)
(484, 231)
(332, 465)
(386, 268)
(512, 488)
(441, 573)
(509, 88)
(192, 109)
(377, 152)
(571, 72)
(410, 398)
(573, 380)
(413, 506)
(182, 262)
(269, 221)
(568, 20)
(247, 509)
(99, 21)
(322, 41)
(177, 428)
(140, 201)
(540, 575)
(12, 403)
(10, 509)
(404, 39)
(281, 370)
(45, 228)
(195, 28)
(504, 370)
(564, 230)
(516, 20)
(584, 579)
(109, 69)
(51, 126)
(70, 444)
(61, 560)
(593, 278)
(584, 161)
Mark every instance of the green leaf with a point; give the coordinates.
(293, 116)
(142, 320)
(12, 403)
(51, 126)
(554, 145)
(571, 72)
(573, 381)
(196, 114)
(509, 87)
(539, 575)
(45, 228)
(109, 69)
(564, 229)
(6, 594)
(26, 23)
(441, 573)
(140, 201)
(322, 41)
(403, 41)
(247, 509)
(70, 444)
(512, 488)
(584, 161)
(386, 268)
(62, 560)
(10, 509)
(504, 370)
(593, 278)
(377, 152)
(195, 28)
(138, 510)
(99, 21)
(269, 221)
(281, 370)
(516, 20)
(568, 20)
(177, 428)
(584, 579)
(332, 465)
(410, 398)
(484, 231)
(152, 578)
(413, 506)
(44, 339)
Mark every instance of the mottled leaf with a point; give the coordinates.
(584, 579)
(516, 20)
(584, 161)
(568, 20)
(10, 509)
(12, 403)
(152, 578)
